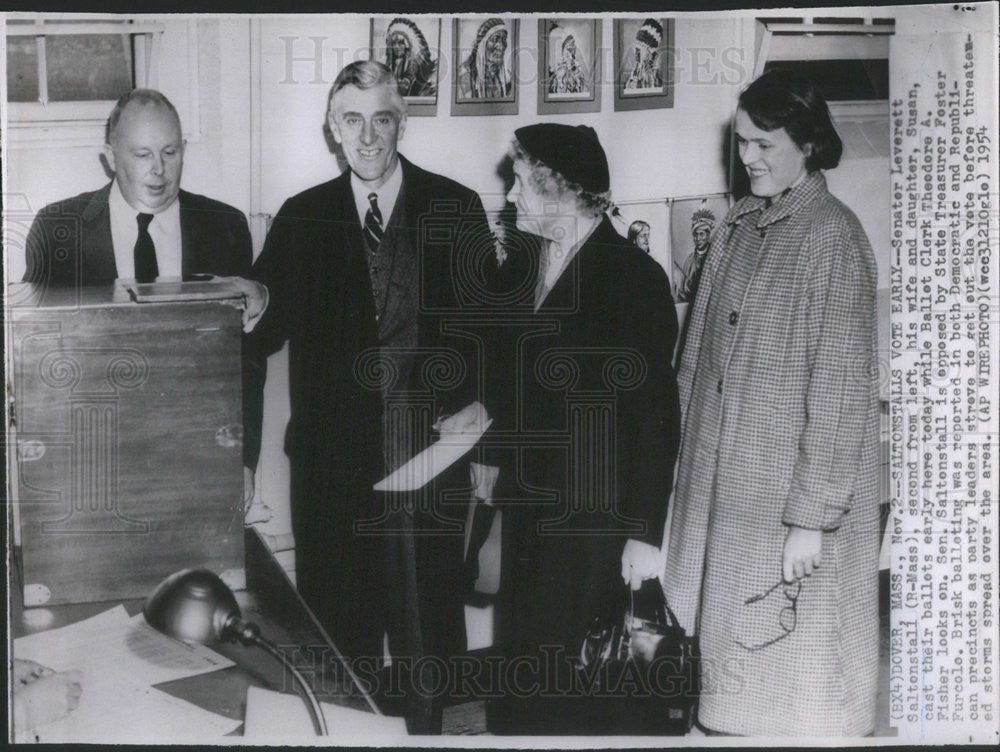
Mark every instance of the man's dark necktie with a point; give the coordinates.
(373, 223)
(144, 252)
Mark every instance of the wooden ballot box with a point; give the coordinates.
(127, 423)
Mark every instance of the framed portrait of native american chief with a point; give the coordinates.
(411, 48)
(693, 220)
(485, 80)
(569, 59)
(643, 53)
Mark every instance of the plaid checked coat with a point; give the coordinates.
(778, 393)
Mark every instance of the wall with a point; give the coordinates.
(683, 142)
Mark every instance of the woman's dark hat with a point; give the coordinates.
(572, 151)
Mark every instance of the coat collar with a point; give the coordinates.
(99, 256)
(343, 195)
(796, 199)
(603, 236)
(97, 204)
(345, 211)
(416, 201)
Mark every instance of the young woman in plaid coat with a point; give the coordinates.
(773, 547)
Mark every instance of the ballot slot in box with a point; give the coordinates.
(127, 422)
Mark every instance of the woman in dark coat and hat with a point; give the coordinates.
(591, 404)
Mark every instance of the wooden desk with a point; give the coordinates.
(272, 602)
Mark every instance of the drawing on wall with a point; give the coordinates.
(643, 50)
(569, 65)
(692, 222)
(410, 48)
(485, 67)
(646, 222)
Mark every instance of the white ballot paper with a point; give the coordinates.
(114, 646)
(273, 716)
(459, 433)
(119, 658)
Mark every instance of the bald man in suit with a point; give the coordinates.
(142, 226)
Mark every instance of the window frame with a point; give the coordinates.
(146, 37)
(82, 123)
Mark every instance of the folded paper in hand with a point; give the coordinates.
(458, 435)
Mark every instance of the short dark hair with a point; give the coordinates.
(367, 74)
(781, 98)
(140, 97)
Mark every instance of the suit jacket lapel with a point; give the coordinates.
(346, 222)
(415, 201)
(98, 250)
(405, 270)
(432, 269)
(195, 237)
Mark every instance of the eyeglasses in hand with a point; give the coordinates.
(787, 617)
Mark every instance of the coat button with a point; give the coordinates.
(734, 317)
(718, 387)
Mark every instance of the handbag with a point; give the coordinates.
(640, 668)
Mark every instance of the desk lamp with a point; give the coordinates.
(195, 605)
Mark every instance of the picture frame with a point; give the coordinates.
(569, 65)
(485, 66)
(410, 46)
(644, 70)
(693, 220)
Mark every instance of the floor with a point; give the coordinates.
(470, 718)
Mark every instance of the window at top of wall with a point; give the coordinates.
(69, 67)
(846, 56)
(64, 73)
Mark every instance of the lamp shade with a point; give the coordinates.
(194, 605)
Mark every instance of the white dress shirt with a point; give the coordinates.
(387, 195)
(164, 229)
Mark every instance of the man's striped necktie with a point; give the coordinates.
(373, 223)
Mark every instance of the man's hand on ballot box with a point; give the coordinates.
(256, 296)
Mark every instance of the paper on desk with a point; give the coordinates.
(434, 460)
(113, 712)
(119, 657)
(113, 647)
(274, 716)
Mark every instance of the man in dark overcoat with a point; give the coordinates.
(365, 275)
